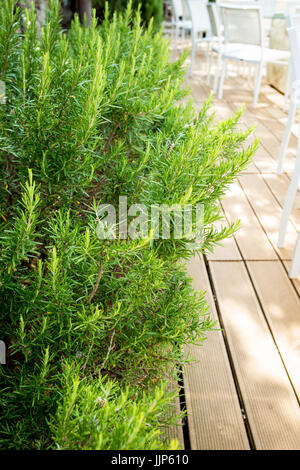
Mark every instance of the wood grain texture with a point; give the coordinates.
(251, 238)
(268, 212)
(215, 418)
(271, 405)
(282, 309)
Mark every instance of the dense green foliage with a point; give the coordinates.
(93, 327)
(98, 415)
(149, 9)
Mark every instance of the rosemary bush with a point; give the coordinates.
(95, 327)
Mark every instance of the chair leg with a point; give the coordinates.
(257, 84)
(298, 202)
(217, 72)
(226, 69)
(295, 266)
(287, 86)
(249, 74)
(220, 95)
(209, 60)
(288, 203)
(176, 37)
(182, 40)
(286, 137)
(207, 50)
(192, 54)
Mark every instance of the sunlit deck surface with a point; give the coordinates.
(243, 391)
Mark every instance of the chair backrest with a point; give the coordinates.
(242, 23)
(214, 16)
(292, 13)
(292, 7)
(293, 20)
(294, 38)
(177, 9)
(186, 10)
(268, 7)
(199, 15)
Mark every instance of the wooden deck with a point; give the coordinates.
(243, 391)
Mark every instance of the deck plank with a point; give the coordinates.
(268, 212)
(281, 305)
(250, 238)
(278, 185)
(270, 402)
(215, 419)
(263, 161)
(275, 121)
(269, 129)
(228, 249)
(268, 141)
(274, 117)
(295, 282)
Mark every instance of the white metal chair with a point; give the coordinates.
(244, 39)
(180, 20)
(201, 27)
(292, 19)
(292, 9)
(294, 36)
(217, 43)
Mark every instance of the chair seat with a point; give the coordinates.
(200, 39)
(251, 53)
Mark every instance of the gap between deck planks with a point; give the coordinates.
(270, 402)
(175, 431)
(214, 414)
(272, 408)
